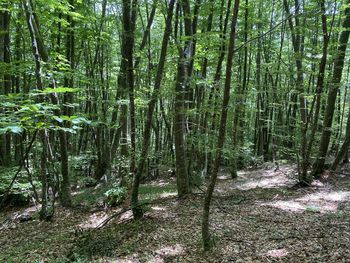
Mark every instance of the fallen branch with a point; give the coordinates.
(105, 222)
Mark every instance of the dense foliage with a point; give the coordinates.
(129, 91)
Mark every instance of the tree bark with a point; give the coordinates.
(5, 82)
(345, 146)
(40, 54)
(182, 78)
(137, 211)
(298, 43)
(207, 243)
(320, 80)
(332, 94)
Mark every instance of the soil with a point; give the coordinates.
(258, 217)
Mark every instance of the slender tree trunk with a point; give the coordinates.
(5, 82)
(212, 98)
(332, 94)
(137, 211)
(207, 242)
(237, 129)
(40, 54)
(298, 43)
(345, 146)
(181, 89)
(65, 196)
(130, 40)
(320, 81)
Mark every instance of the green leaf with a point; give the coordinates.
(60, 90)
(33, 107)
(12, 129)
(313, 209)
(60, 120)
(81, 120)
(16, 129)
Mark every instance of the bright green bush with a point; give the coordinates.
(115, 196)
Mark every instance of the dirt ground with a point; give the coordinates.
(258, 217)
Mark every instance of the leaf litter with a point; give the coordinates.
(258, 217)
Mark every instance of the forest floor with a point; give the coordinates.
(258, 217)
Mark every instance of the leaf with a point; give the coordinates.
(60, 120)
(313, 209)
(33, 107)
(70, 130)
(8, 104)
(123, 102)
(12, 129)
(60, 90)
(81, 120)
(16, 129)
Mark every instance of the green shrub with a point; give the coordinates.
(115, 196)
(21, 190)
(88, 182)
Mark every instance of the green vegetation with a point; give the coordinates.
(115, 196)
(112, 107)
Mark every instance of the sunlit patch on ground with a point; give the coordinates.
(322, 202)
(271, 182)
(170, 194)
(94, 220)
(32, 209)
(224, 175)
(157, 256)
(167, 251)
(160, 212)
(159, 189)
(127, 259)
(317, 183)
(170, 250)
(126, 216)
(263, 178)
(291, 206)
(158, 208)
(160, 182)
(276, 253)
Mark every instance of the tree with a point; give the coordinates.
(207, 242)
(41, 55)
(137, 211)
(181, 88)
(5, 81)
(345, 146)
(298, 44)
(332, 94)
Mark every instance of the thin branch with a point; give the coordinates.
(267, 32)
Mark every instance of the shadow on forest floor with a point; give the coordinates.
(257, 217)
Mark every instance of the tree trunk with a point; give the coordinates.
(298, 43)
(137, 211)
(40, 54)
(332, 94)
(182, 78)
(5, 82)
(345, 146)
(207, 243)
(320, 81)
